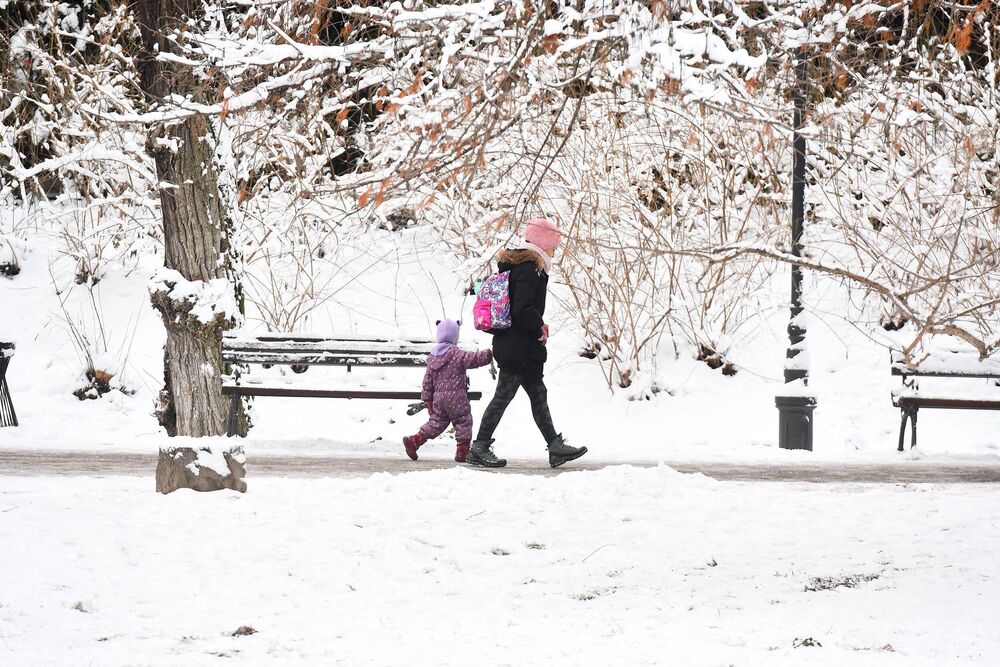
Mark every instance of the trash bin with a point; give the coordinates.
(795, 427)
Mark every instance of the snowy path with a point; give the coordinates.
(905, 472)
(622, 566)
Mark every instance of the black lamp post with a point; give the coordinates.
(795, 409)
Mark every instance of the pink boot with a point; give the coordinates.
(461, 451)
(412, 442)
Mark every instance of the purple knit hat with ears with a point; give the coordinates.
(543, 233)
(447, 336)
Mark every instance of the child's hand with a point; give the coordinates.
(545, 334)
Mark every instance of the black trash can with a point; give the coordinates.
(795, 421)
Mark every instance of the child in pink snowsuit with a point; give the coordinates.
(445, 391)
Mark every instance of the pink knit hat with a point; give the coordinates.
(543, 233)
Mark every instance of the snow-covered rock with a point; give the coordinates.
(200, 469)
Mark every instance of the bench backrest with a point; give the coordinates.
(949, 364)
(297, 350)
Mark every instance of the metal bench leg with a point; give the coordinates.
(913, 427)
(902, 428)
(7, 415)
(234, 402)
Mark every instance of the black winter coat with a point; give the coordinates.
(518, 348)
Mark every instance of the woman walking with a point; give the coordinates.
(520, 350)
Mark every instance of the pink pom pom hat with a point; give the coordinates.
(542, 233)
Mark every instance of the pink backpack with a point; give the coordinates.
(492, 310)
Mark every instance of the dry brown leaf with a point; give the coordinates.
(380, 197)
(363, 199)
(427, 201)
(964, 37)
(319, 21)
(418, 81)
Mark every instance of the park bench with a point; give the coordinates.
(300, 352)
(7, 415)
(946, 363)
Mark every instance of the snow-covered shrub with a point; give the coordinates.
(657, 133)
(290, 262)
(102, 354)
(9, 264)
(639, 190)
(675, 188)
(71, 68)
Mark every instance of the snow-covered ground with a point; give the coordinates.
(623, 566)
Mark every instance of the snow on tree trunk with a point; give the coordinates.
(195, 245)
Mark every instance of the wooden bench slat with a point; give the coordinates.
(332, 349)
(260, 390)
(324, 359)
(239, 338)
(952, 403)
(949, 363)
(328, 346)
(916, 372)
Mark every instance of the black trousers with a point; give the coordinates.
(507, 385)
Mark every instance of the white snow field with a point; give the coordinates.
(625, 566)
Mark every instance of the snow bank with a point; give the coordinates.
(622, 566)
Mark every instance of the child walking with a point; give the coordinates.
(445, 391)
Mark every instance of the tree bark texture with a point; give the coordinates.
(194, 237)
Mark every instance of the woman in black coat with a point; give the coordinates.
(520, 350)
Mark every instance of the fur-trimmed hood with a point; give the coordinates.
(516, 256)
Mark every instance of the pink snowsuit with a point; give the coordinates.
(446, 390)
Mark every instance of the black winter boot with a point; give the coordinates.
(560, 452)
(481, 454)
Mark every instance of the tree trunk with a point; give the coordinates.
(194, 229)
